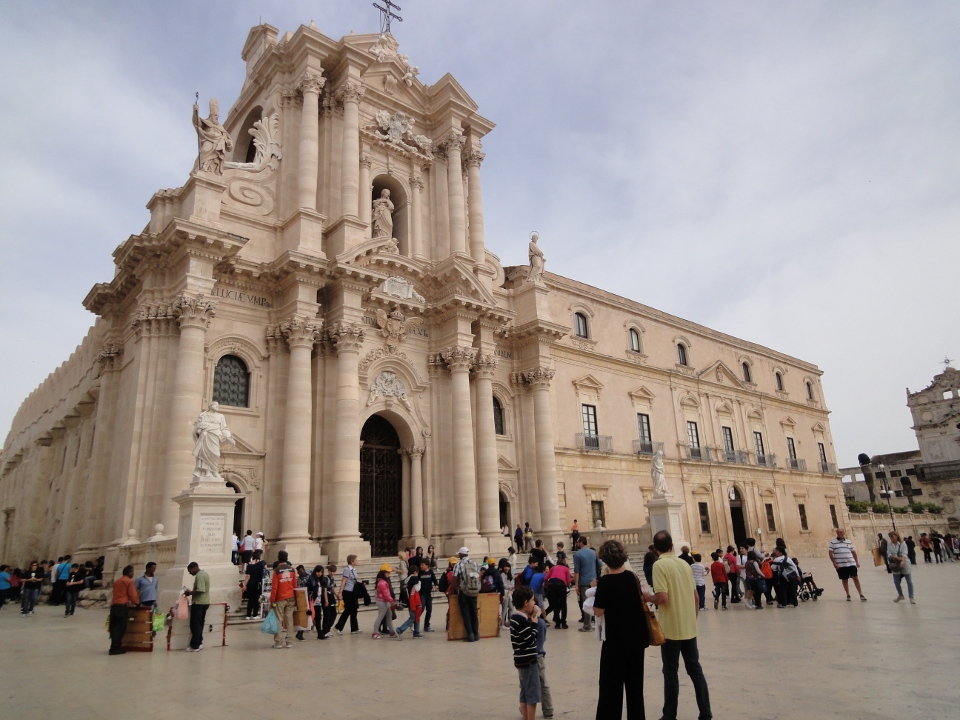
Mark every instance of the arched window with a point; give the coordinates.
(810, 390)
(498, 423)
(634, 340)
(580, 322)
(681, 353)
(231, 382)
(779, 381)
(746, 372)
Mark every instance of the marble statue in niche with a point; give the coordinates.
(383, 215)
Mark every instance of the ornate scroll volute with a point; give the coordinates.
(346, 337)
(194, 311)
(300, 331)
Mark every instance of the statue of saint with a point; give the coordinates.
(209, 431)
(214, 141)
(537, 260)
(383, 215)
(656, 472)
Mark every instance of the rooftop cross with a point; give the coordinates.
(387, 14)
(946, 362)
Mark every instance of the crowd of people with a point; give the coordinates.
(64, 577)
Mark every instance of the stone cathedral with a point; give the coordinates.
(323, 275)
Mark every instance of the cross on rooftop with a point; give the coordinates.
(387, 14)
(946, 362)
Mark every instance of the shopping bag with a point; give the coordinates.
(183, 608)
(159, 620)
(877, 557)
(270, 624)
(340, 606)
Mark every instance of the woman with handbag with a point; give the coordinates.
(386, 605)
(898, 563)
(620, 601)
(348, 594)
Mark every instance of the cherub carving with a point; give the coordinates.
(394, 326)
(396, 128)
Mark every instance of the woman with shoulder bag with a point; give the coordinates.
(348, 594)
(898, 563)
(620, 602)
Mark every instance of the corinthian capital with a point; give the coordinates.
(346, 337)
(539, 378)
(350, 91)
(453, 142)
(311, 81)
(459, 359)
(300, 332)
(194, 311)
(484, 366)
(416, 182)
(473, 158)
(109, 357)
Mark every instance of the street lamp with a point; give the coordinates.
(886, 489)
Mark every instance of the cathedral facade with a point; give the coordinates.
(323, 276)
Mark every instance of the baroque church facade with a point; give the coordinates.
(323, 276)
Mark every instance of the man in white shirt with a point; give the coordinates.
(845, 561)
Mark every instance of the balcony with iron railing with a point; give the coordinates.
(642, 447)
(597, 443)
(797, 464)
(768, 460)
(828, 468)
(734, 456)
(702, 454)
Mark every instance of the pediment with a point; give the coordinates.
(506, 465)
(819, 428)
(754, 414)
(641, 393)
(724, 408)
(720, 373)
(240, 447)
(453, 277)
(701, 489)
(589, 384)
(448, 89)
(690, 401)
(788, 422)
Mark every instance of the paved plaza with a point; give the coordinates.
(829, 659)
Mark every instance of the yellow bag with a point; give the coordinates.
(340, 606)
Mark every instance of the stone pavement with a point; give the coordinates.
(829, 659)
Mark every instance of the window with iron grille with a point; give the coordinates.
(231, 382)
(803, 516)
(704, 518)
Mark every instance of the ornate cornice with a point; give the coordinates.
(346, 337)
(459, 359)
(300, 331)
(154, 320)
(311, 81)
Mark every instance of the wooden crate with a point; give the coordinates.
(488, 615)
(139, 633)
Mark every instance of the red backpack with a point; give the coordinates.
(766, 570)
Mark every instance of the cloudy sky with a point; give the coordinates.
(788, 173)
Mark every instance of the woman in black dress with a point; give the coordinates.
(619, 601)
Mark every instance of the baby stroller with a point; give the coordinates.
(808, 588)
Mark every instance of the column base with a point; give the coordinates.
(667, 514)
(476, 544)
(337, 549)
(301, 551)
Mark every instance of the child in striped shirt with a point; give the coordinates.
(523, 635)
(699, 575)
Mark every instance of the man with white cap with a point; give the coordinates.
(467, 573)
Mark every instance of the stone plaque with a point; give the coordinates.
(212, 534)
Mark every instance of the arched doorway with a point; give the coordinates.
(237, 511)
(736, 516)
(381, 486)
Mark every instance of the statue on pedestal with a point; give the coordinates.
(537, 260)
(214, 142)
(209, 430)
(383, 215)
(656, 472)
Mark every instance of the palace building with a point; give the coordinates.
(323, 275)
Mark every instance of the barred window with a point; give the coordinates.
(498, 425)
(231, 382)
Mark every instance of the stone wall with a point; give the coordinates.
(865, 526)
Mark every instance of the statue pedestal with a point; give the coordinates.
(201, 198)
(205, 530)
(667, 514)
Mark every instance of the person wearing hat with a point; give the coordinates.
(467, 574)
(260, 543)
(385, 603)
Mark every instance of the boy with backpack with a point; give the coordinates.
(466, 577)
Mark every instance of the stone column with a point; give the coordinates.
(345, 488)
(366, 204)
(416, 240)
(350, 93)
(194, 315)
(416, 492)
(487, 477)
(310, 85)
(301, 333)
(459, 360)
(458, 240)
(473, 158)
(404, 492)
(539, 379)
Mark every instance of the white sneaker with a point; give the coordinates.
(912, 601)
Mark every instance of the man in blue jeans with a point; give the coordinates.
(30, 588)
(678, 601)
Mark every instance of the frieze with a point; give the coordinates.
(240, 297)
